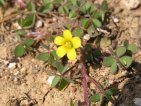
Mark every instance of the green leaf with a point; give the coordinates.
(21, 33)
(104, 5)
(93, 9)
(72, 14)
(66, 9)
(96, 23)
(105, 42)
(108, 61)
(61, 10)
(71, 103)
(133, 48)
(31, 6)
(58, 66)
(112, 91)
(109, 98)
(95, 98)
(46, 2)
(86, 7)
(69, 80)
(78, 32)
(126, 61)
(28, 21)
(43, 56)
(2, 2)
(98, 14)
(74, 2)
(84, 22)
(120, 51)
(55, 81)
(29, 42)
(126, 43)
(54, 54)
(114, 68)
(46, 8)
(63, 84)
(19, 50)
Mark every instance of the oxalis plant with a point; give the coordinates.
(73, 45)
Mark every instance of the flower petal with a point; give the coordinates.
(67, 35)
(76, 41)
(59, 40)
(71, 54)
(61, 51)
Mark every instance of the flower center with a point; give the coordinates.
(68, 44)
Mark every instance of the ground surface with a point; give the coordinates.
(25, 83)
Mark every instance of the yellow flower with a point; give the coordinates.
(67, 45)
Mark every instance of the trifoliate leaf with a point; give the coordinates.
(19, 50)
(55, 81)
(126, 61)
(120, 51)
(108, 61)
(78, 32)
(133, 48)
(114, 68)
(28, 21)
(43, 56)
(96, 97)
(63, 84)
(96, 23)
(29, 42)
(84, 22)
(72, 14)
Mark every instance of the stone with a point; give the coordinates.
(12, 65)
(50, 79)
(137, 101)
(39, 24)
(131, 4)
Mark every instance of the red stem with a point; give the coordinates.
(84, 84)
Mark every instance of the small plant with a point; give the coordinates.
(79, 41)
(120, 57)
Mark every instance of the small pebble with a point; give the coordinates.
(39, 23)
(137, 101)
(115, 19)
(12, 65)
(50, 79)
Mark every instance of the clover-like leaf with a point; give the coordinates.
(46, 8)
(58, 66)
(2, 2)
(43, 56)
(72, 14)
(120, 51)
(31, 6)
(84, 22)
(78, 32)
(114, 68)
(19, 50)
(96, 23)
(28, 21)
(104, 5)
(105, 42)
(55, 81)
(133, 48)
(113, 91)
(126, 61)
(71, 103)
(29, 42)
(63, 84)
(95, 98)
(108, 61)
